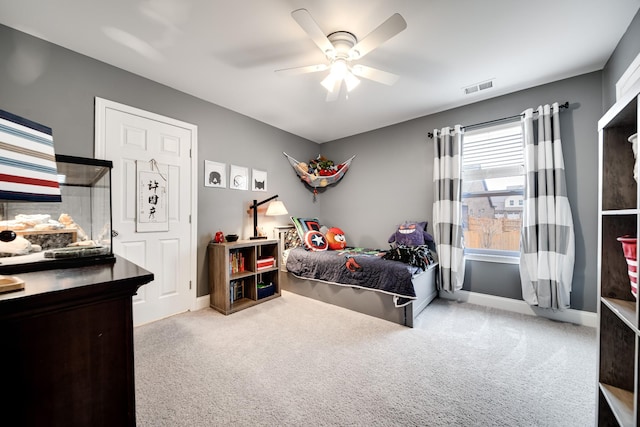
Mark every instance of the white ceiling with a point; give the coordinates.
(226, 51)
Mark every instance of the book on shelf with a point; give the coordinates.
(267, 262)
(236, 289)
(236, 262)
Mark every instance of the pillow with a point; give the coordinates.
(291, 239)
(335, 238)
(315, 241)
(305, 224)
(411, 233)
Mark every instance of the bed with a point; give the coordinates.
(361, 280)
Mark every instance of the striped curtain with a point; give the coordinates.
(447, 207)
(548, 243)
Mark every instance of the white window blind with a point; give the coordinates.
(493, 185)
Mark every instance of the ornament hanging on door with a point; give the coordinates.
(152, 214)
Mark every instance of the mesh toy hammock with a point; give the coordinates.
(316, 181)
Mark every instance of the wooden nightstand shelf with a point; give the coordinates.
(235, 279)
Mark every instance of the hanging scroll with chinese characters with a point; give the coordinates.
(152, 198)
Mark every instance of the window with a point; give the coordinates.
(492, 191)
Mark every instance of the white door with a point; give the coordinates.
(138, 141)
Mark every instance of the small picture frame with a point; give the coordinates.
(215, 174)
(258, 180)
(238, 178)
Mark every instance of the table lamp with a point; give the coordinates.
(275, 208)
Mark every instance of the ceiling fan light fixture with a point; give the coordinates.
(339, 68)
(329, 82)
(351, 81)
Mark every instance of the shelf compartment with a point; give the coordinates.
(272, 277)
(617, 350)
(614, 275)
(268, 250)
(620, 404)
(625, 310)
(241, 260)
(619, 189)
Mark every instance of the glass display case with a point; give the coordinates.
(74, 232)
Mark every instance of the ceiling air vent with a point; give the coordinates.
(478, 87)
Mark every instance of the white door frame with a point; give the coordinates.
(101, 106)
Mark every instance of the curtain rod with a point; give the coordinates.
(563, 105)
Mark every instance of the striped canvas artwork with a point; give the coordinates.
(28, 169)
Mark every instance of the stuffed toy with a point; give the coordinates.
(336, 239)
(412, 233)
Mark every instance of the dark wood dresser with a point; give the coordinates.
(66, 347)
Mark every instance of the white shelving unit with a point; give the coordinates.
(618, 214)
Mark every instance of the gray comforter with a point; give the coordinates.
(355, 267)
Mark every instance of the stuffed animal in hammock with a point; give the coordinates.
(412, 233)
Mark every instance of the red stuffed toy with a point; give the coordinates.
(336, 239)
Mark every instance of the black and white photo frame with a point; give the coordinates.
(238, 178)
(258, 180)
(215, 174)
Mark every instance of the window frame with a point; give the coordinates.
(494, 255)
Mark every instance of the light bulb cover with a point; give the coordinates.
(351, 81)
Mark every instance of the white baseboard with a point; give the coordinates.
(579, 317)
(202, 302)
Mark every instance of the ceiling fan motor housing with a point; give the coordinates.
(342, 42)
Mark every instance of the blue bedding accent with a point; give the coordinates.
(356, 267)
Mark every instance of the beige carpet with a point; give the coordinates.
(294, 361)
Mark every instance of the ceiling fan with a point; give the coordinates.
(342, 49)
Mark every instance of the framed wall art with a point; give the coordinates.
(238, 178)
(258, 180)
(215, 174)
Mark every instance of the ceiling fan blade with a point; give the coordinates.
(374, 74)
(309, 25)
(389, 28)
(302, 70)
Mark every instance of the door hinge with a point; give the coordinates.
(189, 218)
(189, 284)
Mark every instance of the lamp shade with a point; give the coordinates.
(276, 208)
(27, 160)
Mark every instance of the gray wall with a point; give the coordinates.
(61, 95)
(391, 179)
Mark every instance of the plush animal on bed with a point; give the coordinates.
(336, 239)
(412, 233)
